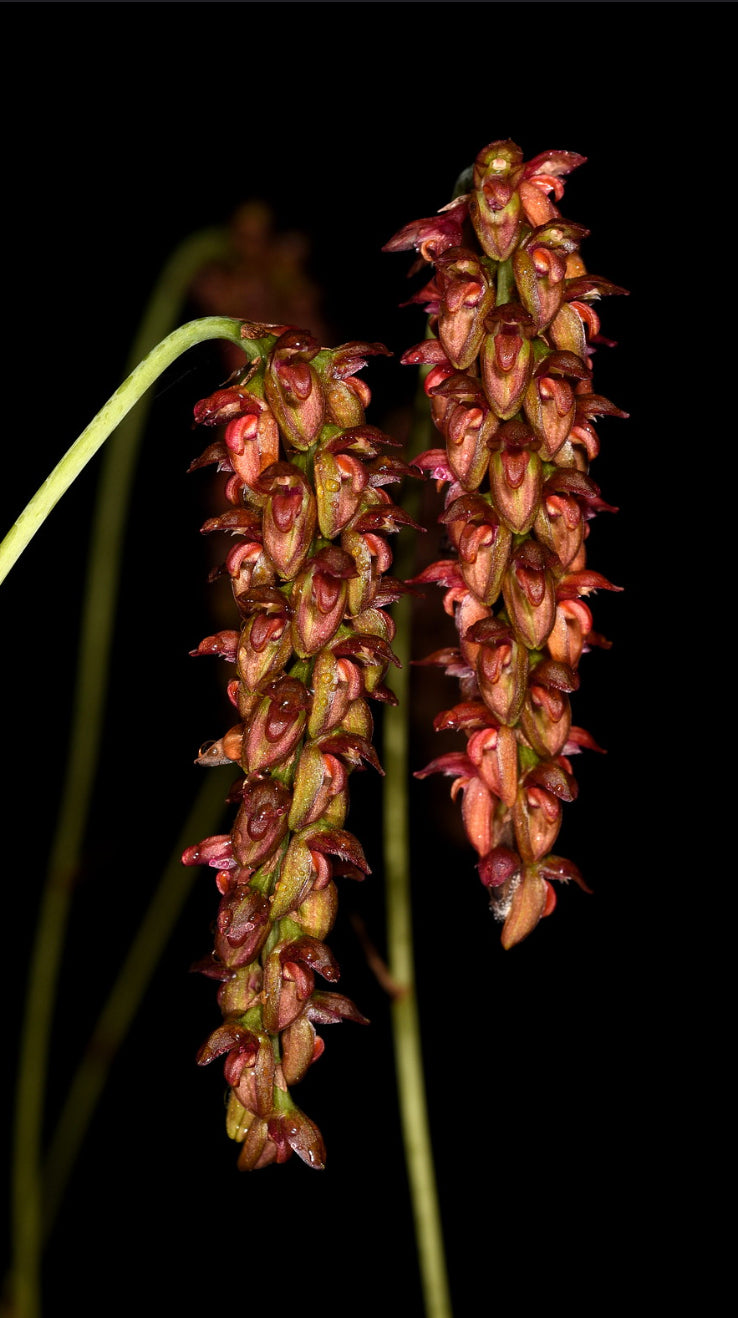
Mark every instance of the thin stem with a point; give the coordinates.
(111, 514)
(405, 1020)
(99, 609)
(125, 996)
(121, 402)
(53, 912)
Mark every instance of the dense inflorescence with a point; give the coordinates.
(511, 314)
(309, 573)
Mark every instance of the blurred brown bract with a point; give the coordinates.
(265, 278)
(510, 389)
(310, 578)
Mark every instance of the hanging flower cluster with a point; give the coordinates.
(510, 390)
(309, 572)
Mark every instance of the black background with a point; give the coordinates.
(549, 1067)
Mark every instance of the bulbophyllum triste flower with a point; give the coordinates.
(310, 578)
(510, 389)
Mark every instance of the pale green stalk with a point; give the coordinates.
(110, 518)
(76, 458)
(405, 1019)
(55, 899)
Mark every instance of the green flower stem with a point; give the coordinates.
(123, 1001)
(98, 617)
(111, 515)
(84, 448)
(405, 1020)
(53, 912)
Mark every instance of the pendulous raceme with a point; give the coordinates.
(513, 331)
(309, 569)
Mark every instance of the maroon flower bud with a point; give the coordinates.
(540, 268)
(261, 822)
(319, 599)
(317, 913)
(252, 441)
(374, 653)
(494, 754)
(546, 714)
(550, 402)
(495, 208)
(255, 1152)
(345, 401)
(336, 684)
(537, 207)
(243, 925)
(572, 626)
(254, 1088)
(506, 358)
(297, 875)
(554, 778)
(466, 296)
(483, 544)
(502, 668)
(527, 906)
(340, 479)
(516, 475)
(298, 962)
(468, 424)
(560, 521)
(440, 404)
(265, 643)
(529, 593)
(358, 719)
(319, 779)
(372, 557)
(301, 1046)
(499, 161)
(240, 991)
(499, 866)
(290, 516)
(293, 388)
(536, 819)
(277, 725)
(567, 332)
(248, 567)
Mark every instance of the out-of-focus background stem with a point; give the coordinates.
(112, 511)
(411, 1085)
